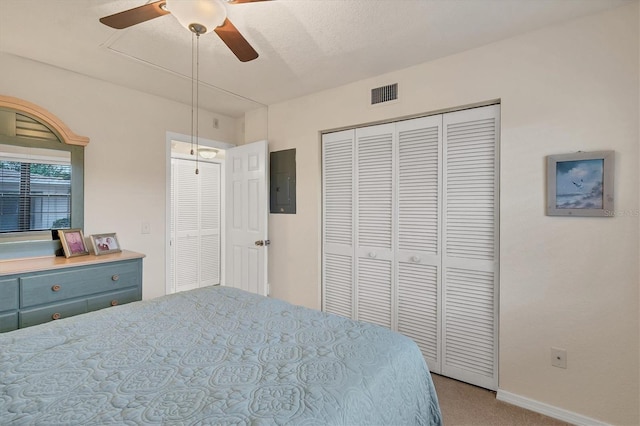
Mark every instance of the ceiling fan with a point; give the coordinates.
(199, 16)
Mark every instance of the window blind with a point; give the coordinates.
(34, 196)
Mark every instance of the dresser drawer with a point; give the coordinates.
(113, 299)
(29, 317)
(58, 286)
(8, 322)
(8, 294)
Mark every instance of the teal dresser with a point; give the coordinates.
(38, 290)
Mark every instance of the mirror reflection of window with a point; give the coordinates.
(35, 189)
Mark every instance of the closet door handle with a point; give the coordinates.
(373, 254)
(415, 259)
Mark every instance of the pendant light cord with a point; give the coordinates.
(192, 89)
(197, 100)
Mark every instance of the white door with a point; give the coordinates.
(470, 245)
(418, 235)
(374, 224)
(338, 220)
(195, 225)
(247, 216)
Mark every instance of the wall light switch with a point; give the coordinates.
(146, 228)
(559, 357)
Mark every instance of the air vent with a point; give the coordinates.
(384, 94)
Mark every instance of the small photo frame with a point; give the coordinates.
(580, 184)
(105, 243)
(72, 242)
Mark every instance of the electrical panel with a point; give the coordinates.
(282, 175)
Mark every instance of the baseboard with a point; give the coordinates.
(546, 409)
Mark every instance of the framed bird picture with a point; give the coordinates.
(580, 184)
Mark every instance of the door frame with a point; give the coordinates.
(179, 137)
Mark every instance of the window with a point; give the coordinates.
(35, 189)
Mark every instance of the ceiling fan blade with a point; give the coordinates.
(243, 1)
(135, 16)
(236, 42)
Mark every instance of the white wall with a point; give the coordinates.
(565, 282)
(125, 161)
(256, 125)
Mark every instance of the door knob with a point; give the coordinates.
(262, 242)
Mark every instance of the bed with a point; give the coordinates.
(215, 355)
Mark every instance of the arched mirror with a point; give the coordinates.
(41, 179)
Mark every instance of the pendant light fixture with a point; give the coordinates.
(200, 17)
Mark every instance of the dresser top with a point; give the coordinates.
(33, 264)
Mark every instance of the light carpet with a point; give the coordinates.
(463, 404)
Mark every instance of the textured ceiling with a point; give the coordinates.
(304, 45)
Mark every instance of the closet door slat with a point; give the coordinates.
(338, 223)
(418, 240)
(470, 245)
(375, 224)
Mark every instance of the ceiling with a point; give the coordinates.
(305, 45)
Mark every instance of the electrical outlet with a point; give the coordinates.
(559, 357)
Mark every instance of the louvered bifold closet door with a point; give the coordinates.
(186, 240)
(470, 245)
(337, 216)
(375, 224)
(210, 208)
(195, 225)
(171, 264)
(418, 255)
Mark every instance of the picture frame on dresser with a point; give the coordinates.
(73, 243)
(105, 243)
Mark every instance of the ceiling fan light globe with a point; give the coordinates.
(207, 13)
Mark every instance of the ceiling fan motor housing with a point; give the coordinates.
(199, 16)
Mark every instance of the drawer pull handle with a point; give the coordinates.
(55, 316)
(114, 302)
(115, 277)
(56, 287)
